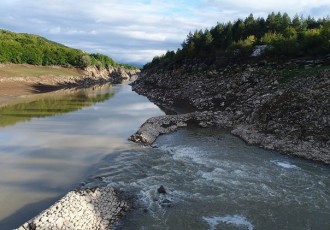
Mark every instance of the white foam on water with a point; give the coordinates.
(156, 203)
(236, 220)
(214, 176)
(187, 154)
(284, 164)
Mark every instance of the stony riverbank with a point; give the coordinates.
(19, 80)
(97, 208)
(283, 106)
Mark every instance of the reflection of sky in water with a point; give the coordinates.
(4, 137)
(47, 156)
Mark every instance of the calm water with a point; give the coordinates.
(213, 179)
(51, 145)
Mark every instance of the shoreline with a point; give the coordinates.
(96, 208)
(261, 105)
(149, 131)
(13, 87)
(104, 206)
(156, 126)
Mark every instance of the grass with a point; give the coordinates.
(18, 70)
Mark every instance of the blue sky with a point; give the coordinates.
(136, 31)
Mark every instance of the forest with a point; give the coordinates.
(21, 48)
(277, 36)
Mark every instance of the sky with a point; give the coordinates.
(136, 31)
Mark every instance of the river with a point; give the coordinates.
(212, 179)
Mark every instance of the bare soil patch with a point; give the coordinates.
(21, 79)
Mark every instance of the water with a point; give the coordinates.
(51, 143)
(213, 180)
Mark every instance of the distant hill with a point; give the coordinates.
(22, 48)
(278, 36)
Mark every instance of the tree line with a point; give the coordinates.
(280, 35)
(21, 48)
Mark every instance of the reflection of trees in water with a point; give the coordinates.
(49, 106)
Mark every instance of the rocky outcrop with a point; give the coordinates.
(278, 106)
(87, 77)
(97, 208)
(112, 74)
(155, 126)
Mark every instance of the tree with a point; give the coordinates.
(238, 30)
(251, 25)
(36, 50)
(296, 24)
(283, 37)
(85, 61)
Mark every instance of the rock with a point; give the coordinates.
(276, 111)
(155, 126)
(73, 212)
(32, 226)
(161, 190)
(59, 223)
(258, 50)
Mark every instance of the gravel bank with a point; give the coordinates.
(94, 209)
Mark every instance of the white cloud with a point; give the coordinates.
(264, 7)
(143, 35)
(55, 30)
(135, 31)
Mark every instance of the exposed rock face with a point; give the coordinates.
(83, 209)
(112, 74)
(156, 126)
(266, 104)
(90, 76)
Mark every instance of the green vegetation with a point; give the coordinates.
(48, 106)
(21, 48)
(281, 36)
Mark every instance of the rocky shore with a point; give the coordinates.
(111, 74)
(278, 105)
(94, 209)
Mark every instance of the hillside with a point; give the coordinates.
(32, 64)
(22, 48)
(277, 37)
(275, 101)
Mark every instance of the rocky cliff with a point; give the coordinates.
(283, 106)
(112, 74)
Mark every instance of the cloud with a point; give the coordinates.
(263, 8)
(135, 31)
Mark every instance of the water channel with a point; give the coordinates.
(213, 180)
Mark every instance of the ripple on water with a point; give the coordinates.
(186, 153)
(236, 220)
(284, 164)
(212, 185)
